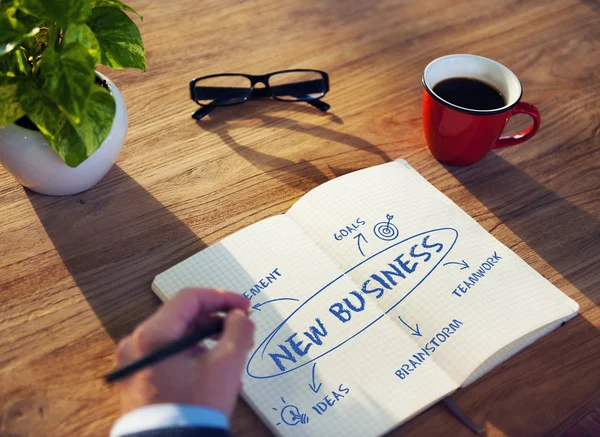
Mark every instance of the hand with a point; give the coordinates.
(198, 376)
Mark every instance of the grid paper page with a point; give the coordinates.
(299, 343)
(430, 270)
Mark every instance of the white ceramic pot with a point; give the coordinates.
(26, 154)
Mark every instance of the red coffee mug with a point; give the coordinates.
(462, 136)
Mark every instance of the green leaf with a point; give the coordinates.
(14, 64)
(119, 38)
(41, 109)
(97, 119)
(29, 21)
(83, 35)
(12, 32)
(11, 107)
(69, 77)
(8, 7)
(63, 12)
(115, 4)
(72, 143)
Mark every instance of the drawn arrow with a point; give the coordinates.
(259, 304)
(463, 263)
(415, 330)
(314, 387)
(358, 237)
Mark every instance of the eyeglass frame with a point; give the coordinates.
(264, 79)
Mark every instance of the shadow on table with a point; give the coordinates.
(563, 234)
(552, 383)
(593, 4)
(541, 380)
(114, 239)
(300, 174)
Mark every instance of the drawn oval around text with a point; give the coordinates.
(409, 250)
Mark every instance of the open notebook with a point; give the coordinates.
(375, 297)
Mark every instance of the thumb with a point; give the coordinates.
(238, 334)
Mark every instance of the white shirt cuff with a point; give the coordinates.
(168, 416)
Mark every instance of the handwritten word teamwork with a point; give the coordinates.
(477, 275)
(380, 283)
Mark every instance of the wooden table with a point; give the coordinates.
(76, 271)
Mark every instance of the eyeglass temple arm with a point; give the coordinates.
(319, 104)
(202, 112)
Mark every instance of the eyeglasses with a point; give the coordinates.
(233, 89)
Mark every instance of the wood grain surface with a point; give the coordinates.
(76, 271)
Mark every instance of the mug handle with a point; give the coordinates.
(524, 135)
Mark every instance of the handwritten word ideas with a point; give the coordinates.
(262, 284)
(330, 399)
(476, 276)
(417, 359)
(339, 314)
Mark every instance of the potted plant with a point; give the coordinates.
(62, 124)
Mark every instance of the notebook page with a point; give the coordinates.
(429, 267)
(309, 373)
(510, 350)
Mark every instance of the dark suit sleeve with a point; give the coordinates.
(182, 432)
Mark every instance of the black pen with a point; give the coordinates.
(166, 351)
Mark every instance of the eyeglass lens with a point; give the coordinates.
(289, 86)
(297, 85)
(222, 90)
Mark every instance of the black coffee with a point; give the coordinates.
(470, 93)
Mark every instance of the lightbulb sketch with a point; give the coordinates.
(291, 415)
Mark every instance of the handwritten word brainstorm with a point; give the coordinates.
(430, 347)
(337, 314)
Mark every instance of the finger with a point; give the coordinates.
(204, 321)
(125, 353)
(196, 351)
(191, 303)
(175, 318)
(215, 337)
(238, 334)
